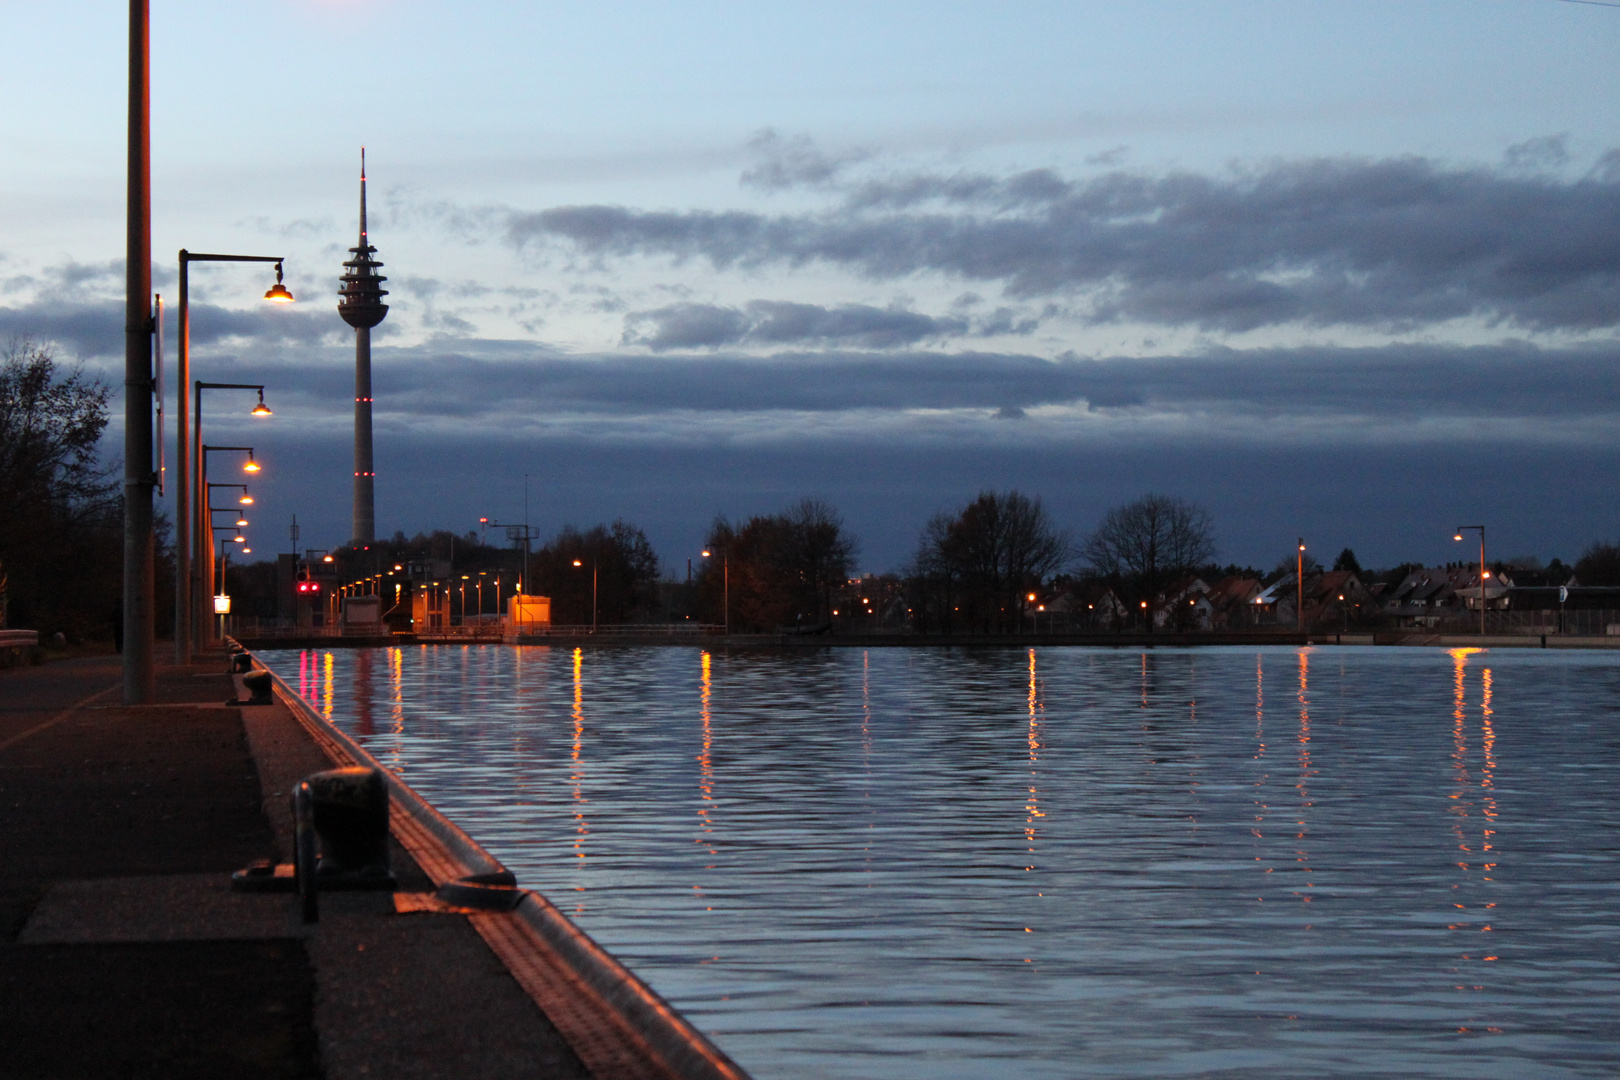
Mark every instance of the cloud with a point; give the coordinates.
(1546, 152)
(1397, 243)
(775, 322)
(1515, 392)
(793, 162)
(94, 329)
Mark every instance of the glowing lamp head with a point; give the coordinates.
(246, 500)
(705, 553)
(1458, 536)
(1032, 598)
(238, 539)
(278, 293)
(327, 559)
(261, 409)
(251, 466)
(578, 563)
(241, 523)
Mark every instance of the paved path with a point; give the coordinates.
(123, 951)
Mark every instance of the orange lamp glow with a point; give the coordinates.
(251, 466)
(278, 293)
(246, 500)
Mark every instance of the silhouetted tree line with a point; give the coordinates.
(973, 568)
(617, 559)
(61, 508)
(782, 568)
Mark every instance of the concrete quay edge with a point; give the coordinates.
(617, 1024)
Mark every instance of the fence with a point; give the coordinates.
(1580, 622)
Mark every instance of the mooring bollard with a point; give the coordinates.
(340, 840)
(258, 688)
(242, 661)
(350, 813)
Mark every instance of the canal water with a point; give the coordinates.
(1052, 862)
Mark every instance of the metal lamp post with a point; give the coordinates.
(203, 568)
(725, 603)
(1299, 575)
(198, 544)
(186, 439)
(1483, 573)
(593, 590)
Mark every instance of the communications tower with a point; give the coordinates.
(362, 308)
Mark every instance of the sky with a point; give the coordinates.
(1340, 269)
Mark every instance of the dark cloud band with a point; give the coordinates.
(1389, 243)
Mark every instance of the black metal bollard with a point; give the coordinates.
(349, 810)
(258, 688)
(242, 661)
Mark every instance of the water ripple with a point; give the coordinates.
(1052, 862)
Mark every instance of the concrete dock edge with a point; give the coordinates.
(617, 1024)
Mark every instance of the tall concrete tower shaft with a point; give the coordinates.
(362, 308)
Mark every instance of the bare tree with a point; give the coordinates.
(60, 515)
(1142, 546)
(974, 566)
(782, 567)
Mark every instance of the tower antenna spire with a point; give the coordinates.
(362, 196)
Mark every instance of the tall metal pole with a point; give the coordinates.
(138, 479)
(1300, 581)
(1458, 536)
(182, 461)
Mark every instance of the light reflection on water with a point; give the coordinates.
(1052, 862)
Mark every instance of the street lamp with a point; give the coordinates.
(593, 590)
(203, 568)
(1299, 575)
(188, 514)
(188, 435)
(1483, 573)
(725, 603)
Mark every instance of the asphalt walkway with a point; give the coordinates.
(123, 951)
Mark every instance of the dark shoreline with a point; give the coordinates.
(951, 641)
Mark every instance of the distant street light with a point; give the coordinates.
(203, 567)
(593, 590)
(1300, 576)
(1483, 573)
(192, 548)
(725, 603)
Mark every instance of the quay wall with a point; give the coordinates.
(619, 1026)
